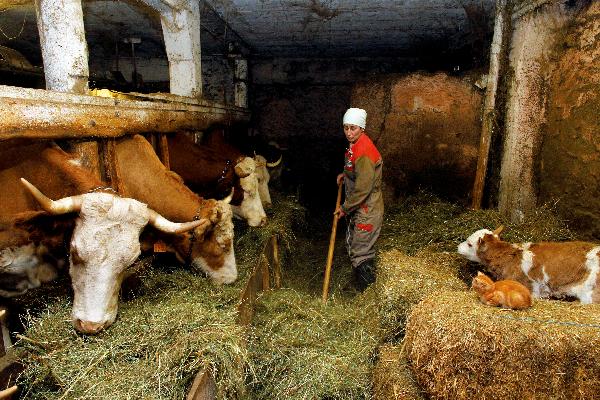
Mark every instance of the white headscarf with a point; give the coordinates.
(356, 116)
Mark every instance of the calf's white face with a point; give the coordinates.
(105, 242)
(263, 176)
(251, 208)
(469, 247)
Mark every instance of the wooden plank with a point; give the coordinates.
(489, 114)
(164, 150)
(204, 386)
(43, 114)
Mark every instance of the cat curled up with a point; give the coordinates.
(505, 293)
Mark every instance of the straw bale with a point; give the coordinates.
(392, 377)
(303, 349)
(178, 325)
(461, 349)
(403, 281)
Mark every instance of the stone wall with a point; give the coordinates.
(426, 126)
(569, 167)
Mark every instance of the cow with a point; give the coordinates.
(142, 176)
(212, 175)
(104, 243)
(214, 138)
(208, 247)
(548, 269)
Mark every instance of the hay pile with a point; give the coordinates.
(161, 339)
(392, 377)
(302, 349)
(424, 220)
(462, 349)
(403, 281)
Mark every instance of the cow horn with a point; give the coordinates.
(7, 393)
(164, 225)
(276, 163)
(227, 199)
(498, 230)
(56, 207)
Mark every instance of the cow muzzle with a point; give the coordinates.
(88, 327)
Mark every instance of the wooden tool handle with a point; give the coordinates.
(331, 245)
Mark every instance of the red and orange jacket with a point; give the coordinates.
(362, 170)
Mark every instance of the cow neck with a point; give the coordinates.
(503, 260)
(142, 176)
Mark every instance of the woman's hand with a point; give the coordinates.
(340, 179)
(339, 212)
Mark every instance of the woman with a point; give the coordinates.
(363, 203)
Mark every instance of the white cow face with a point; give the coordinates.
(214, 253)
(105, 242)
(251, 208)
(469, 247)
(263, 176)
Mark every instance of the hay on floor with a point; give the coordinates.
(403, 281)
(392, 377)
(303, 349)
(461, 349)
(180, 324)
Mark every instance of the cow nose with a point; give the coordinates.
(88, 327)
(263, 221)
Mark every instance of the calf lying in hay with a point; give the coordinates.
(461, 349)
(548, 269)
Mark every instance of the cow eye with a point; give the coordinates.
(470, 245)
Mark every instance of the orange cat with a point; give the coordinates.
(505, 293)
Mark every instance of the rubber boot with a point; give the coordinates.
(364, 274)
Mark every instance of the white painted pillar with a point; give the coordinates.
(181, 31)
(240, 77)
(64, 48)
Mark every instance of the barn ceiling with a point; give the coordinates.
(275, 28)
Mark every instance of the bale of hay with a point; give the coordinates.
(392, 376)
(461, 349)
(302, 349)
(178, 325)
(403, 281)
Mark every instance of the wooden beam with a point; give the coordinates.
(489, 114)
(42, 114)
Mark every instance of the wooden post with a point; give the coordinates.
(331, 246)
(164, 150)
(277, 264)
(489, 114)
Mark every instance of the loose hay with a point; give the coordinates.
(403, 281)
(462, 349)
(305, 350)
(392, 377)
(161, 339)
(424, 220)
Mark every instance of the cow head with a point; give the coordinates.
(105, 242)
(471, 247)
(251, 209)
(211, 250)
(263, 176)
(25, 267)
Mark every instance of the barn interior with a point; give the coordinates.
(485, 113)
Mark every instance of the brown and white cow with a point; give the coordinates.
(548, 269)
(215, 139)
(212, 175)
(142, 176)
(105, 242)
(53, 171)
